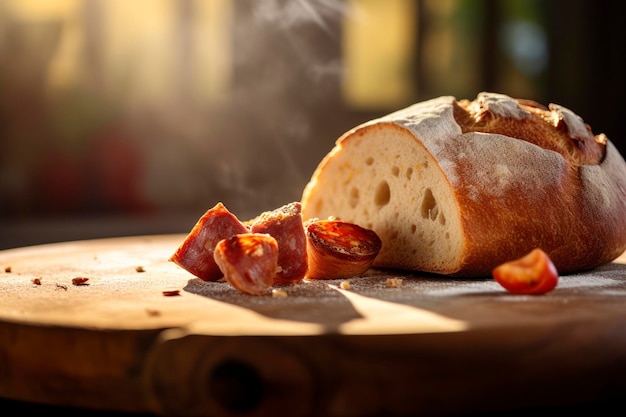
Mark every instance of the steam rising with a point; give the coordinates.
(286, 69)
(290, 14)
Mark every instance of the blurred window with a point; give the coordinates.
(171, 50)
(378, 51)
(393, 51)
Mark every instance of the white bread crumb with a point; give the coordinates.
(393, 282)
(277, 293)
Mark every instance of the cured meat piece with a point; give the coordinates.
(248, 261)
(195, 253)
(338, 249)
(285, 225)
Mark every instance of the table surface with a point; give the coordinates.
(431, 338)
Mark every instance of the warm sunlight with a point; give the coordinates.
(143, 54)
(378, 48)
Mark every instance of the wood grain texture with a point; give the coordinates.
(435, 345)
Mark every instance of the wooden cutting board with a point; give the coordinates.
(434, 345)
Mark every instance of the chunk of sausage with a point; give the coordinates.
(285, 225)
(338, 249)
(248, 261)
(195, 253)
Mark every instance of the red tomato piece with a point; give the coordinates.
(532, 274)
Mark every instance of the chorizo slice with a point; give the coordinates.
(339, 249)
(285, 225)
(248, 261)
(195, 253)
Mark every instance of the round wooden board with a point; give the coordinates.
(434, 345)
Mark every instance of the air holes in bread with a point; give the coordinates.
(382, 194)
(429, 208)
(395, 171)
(353, 200)
(409, 173)
(369, 161)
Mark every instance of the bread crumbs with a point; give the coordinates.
(276, 293)
(393, 282)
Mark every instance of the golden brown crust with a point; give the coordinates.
(555, 127)
(576, 237)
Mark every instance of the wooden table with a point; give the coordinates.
(433, 346)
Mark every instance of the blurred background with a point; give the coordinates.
(134, 117)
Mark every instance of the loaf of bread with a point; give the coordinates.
(457, 187)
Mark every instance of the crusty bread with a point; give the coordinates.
(458, 187)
